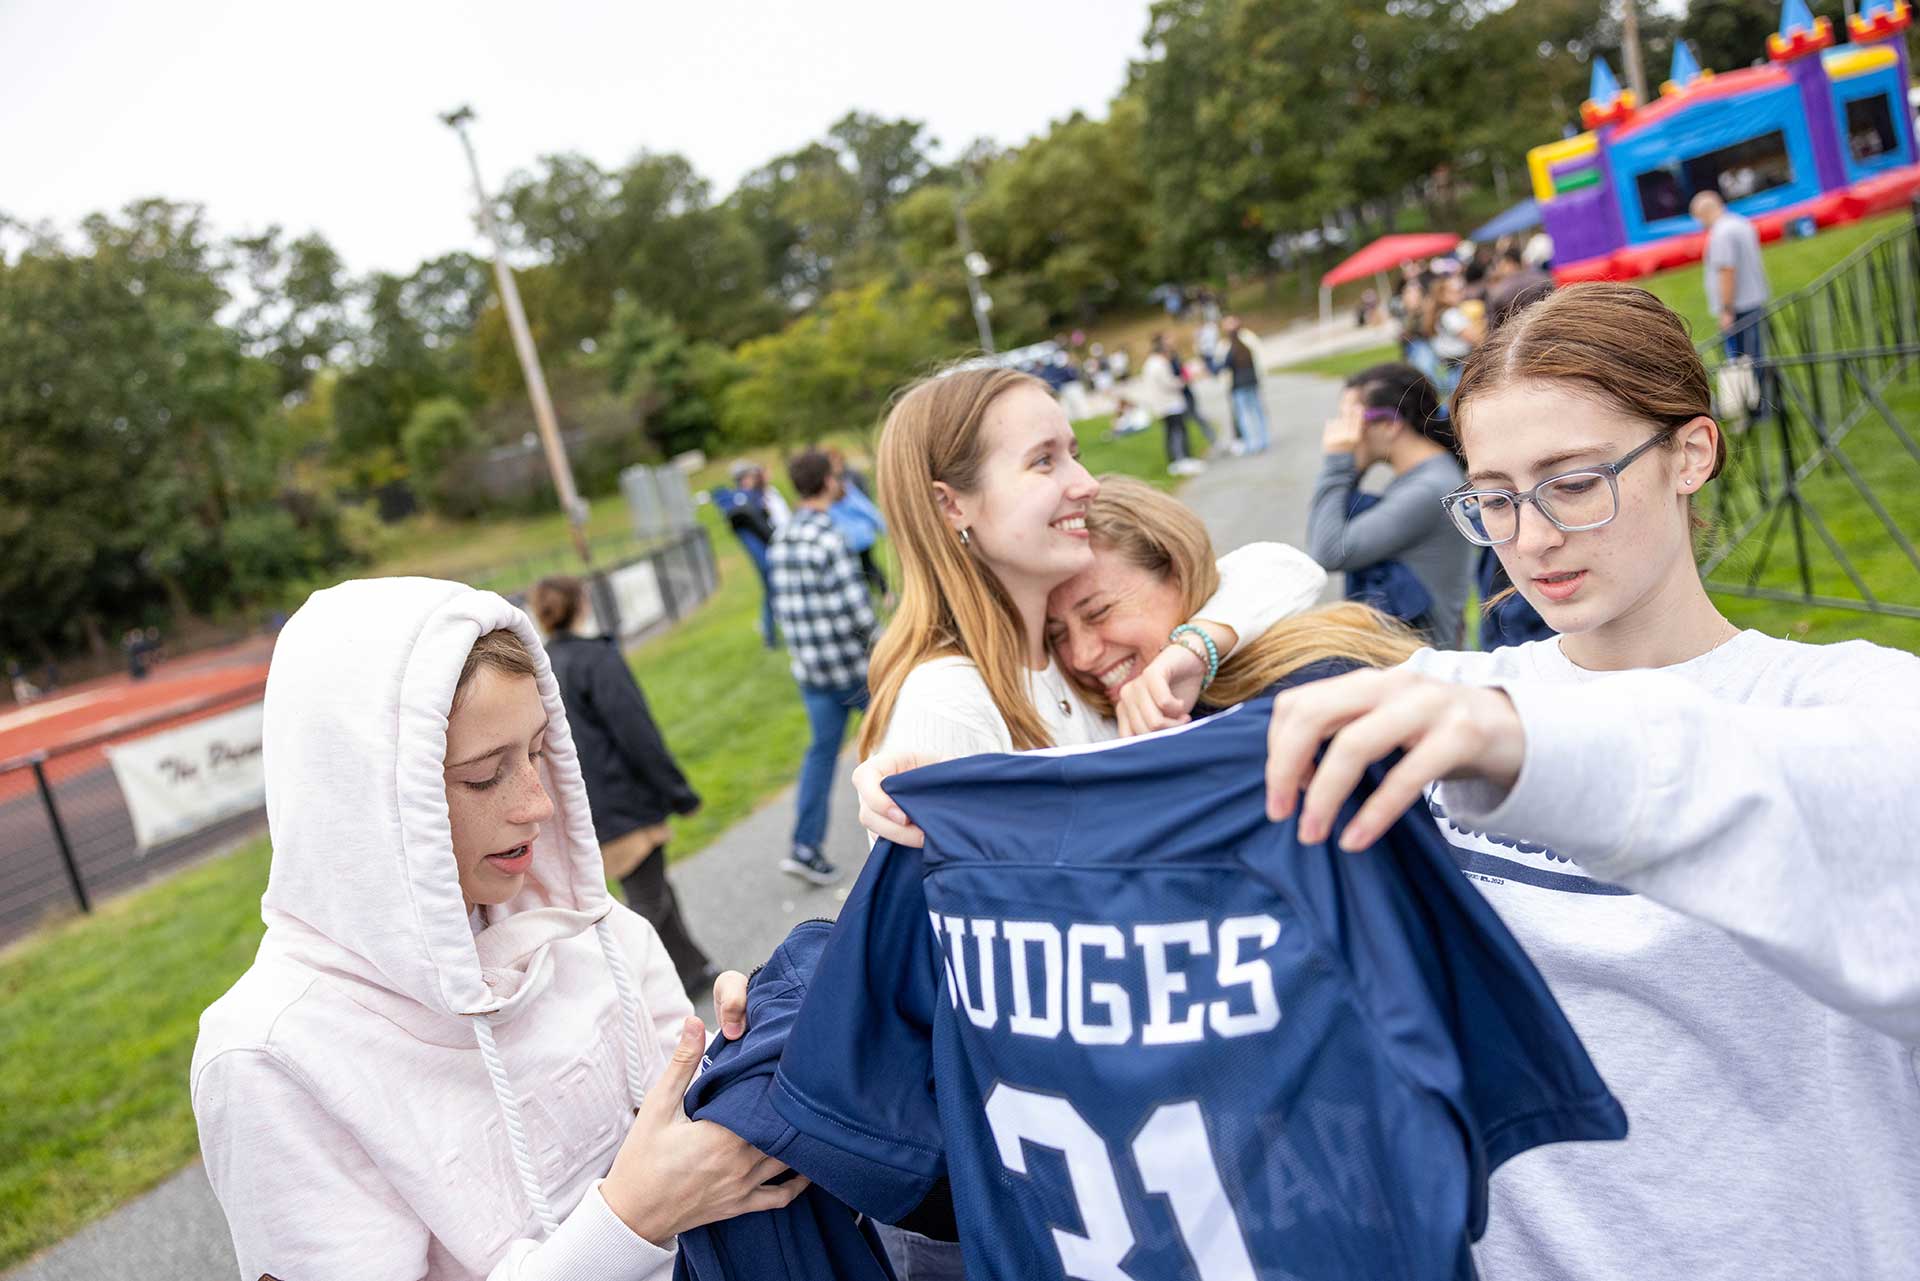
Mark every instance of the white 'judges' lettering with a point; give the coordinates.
(1079, 980)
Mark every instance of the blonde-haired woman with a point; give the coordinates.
(982, 485)
(981, 481)
(1153, 564)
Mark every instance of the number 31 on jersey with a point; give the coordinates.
(1174, 1160)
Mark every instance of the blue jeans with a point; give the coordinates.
(827, 712)
(1252, 417)
(917, 1258)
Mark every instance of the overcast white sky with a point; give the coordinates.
(324, 116)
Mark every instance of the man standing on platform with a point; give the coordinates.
(821, 604)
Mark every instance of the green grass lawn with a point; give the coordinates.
(98, 1014)
(1791, 265)
(1890, 472)
(1343, 366)
(97, 1022)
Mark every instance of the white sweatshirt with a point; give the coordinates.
(944, 709)
(357, 1088)
(1716, 867)
(1160, 388)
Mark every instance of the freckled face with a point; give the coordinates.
(495, 801)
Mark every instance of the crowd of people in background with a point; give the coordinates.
(1088, 378)
(1446, 307)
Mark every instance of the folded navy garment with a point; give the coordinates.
(816, 1238)
(1388, 585)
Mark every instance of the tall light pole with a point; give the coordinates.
(1630, 49)
(976, 267)
(562, 471)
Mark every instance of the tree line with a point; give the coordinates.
(200, 424)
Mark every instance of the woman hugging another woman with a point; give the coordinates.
(1153, 563)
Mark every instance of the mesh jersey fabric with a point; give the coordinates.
(1145, 1033)
(814, 1237)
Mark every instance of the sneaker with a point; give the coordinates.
(809, 864)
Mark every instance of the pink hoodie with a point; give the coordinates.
(384, 1093)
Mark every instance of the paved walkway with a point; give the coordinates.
(740, 906)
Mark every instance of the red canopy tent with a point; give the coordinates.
(1376, 258)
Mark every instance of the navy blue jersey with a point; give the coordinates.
(814, 1238)
(1145, 1033)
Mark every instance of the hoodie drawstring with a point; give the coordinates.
(629, 1008)
(516, 1131)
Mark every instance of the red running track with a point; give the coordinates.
(113, 708)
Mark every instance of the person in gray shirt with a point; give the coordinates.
(1391, 414)
(1736, 279)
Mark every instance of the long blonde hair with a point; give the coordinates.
(1159, 534)
(950, 602)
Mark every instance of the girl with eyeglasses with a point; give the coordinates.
(1704, 836)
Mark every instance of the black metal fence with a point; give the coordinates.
(1821, 503)
(66, 837)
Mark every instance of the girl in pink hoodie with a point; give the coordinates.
(454, 1055)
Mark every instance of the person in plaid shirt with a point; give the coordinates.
(821, 603)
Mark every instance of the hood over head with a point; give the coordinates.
(364, 887)
(355, 736)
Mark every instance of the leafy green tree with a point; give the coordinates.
(438, 435)
(1238, 102)
(1066, 218)
(649, 359)
(136, 432)
(554, 306)
(299, 317)
(821, 214)
(393, 370)
(887, 157)
(805, 211)
(835, 367)
(1733, 33)
(650, 229)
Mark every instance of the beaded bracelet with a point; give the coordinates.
(1213, 651)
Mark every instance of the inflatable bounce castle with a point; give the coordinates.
(1819, 135)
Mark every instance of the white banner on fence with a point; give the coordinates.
(636, 589)
(181, 780)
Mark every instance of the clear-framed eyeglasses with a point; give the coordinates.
(1573, 501)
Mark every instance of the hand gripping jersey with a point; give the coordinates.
(815, 1238)
(1145, 1033)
